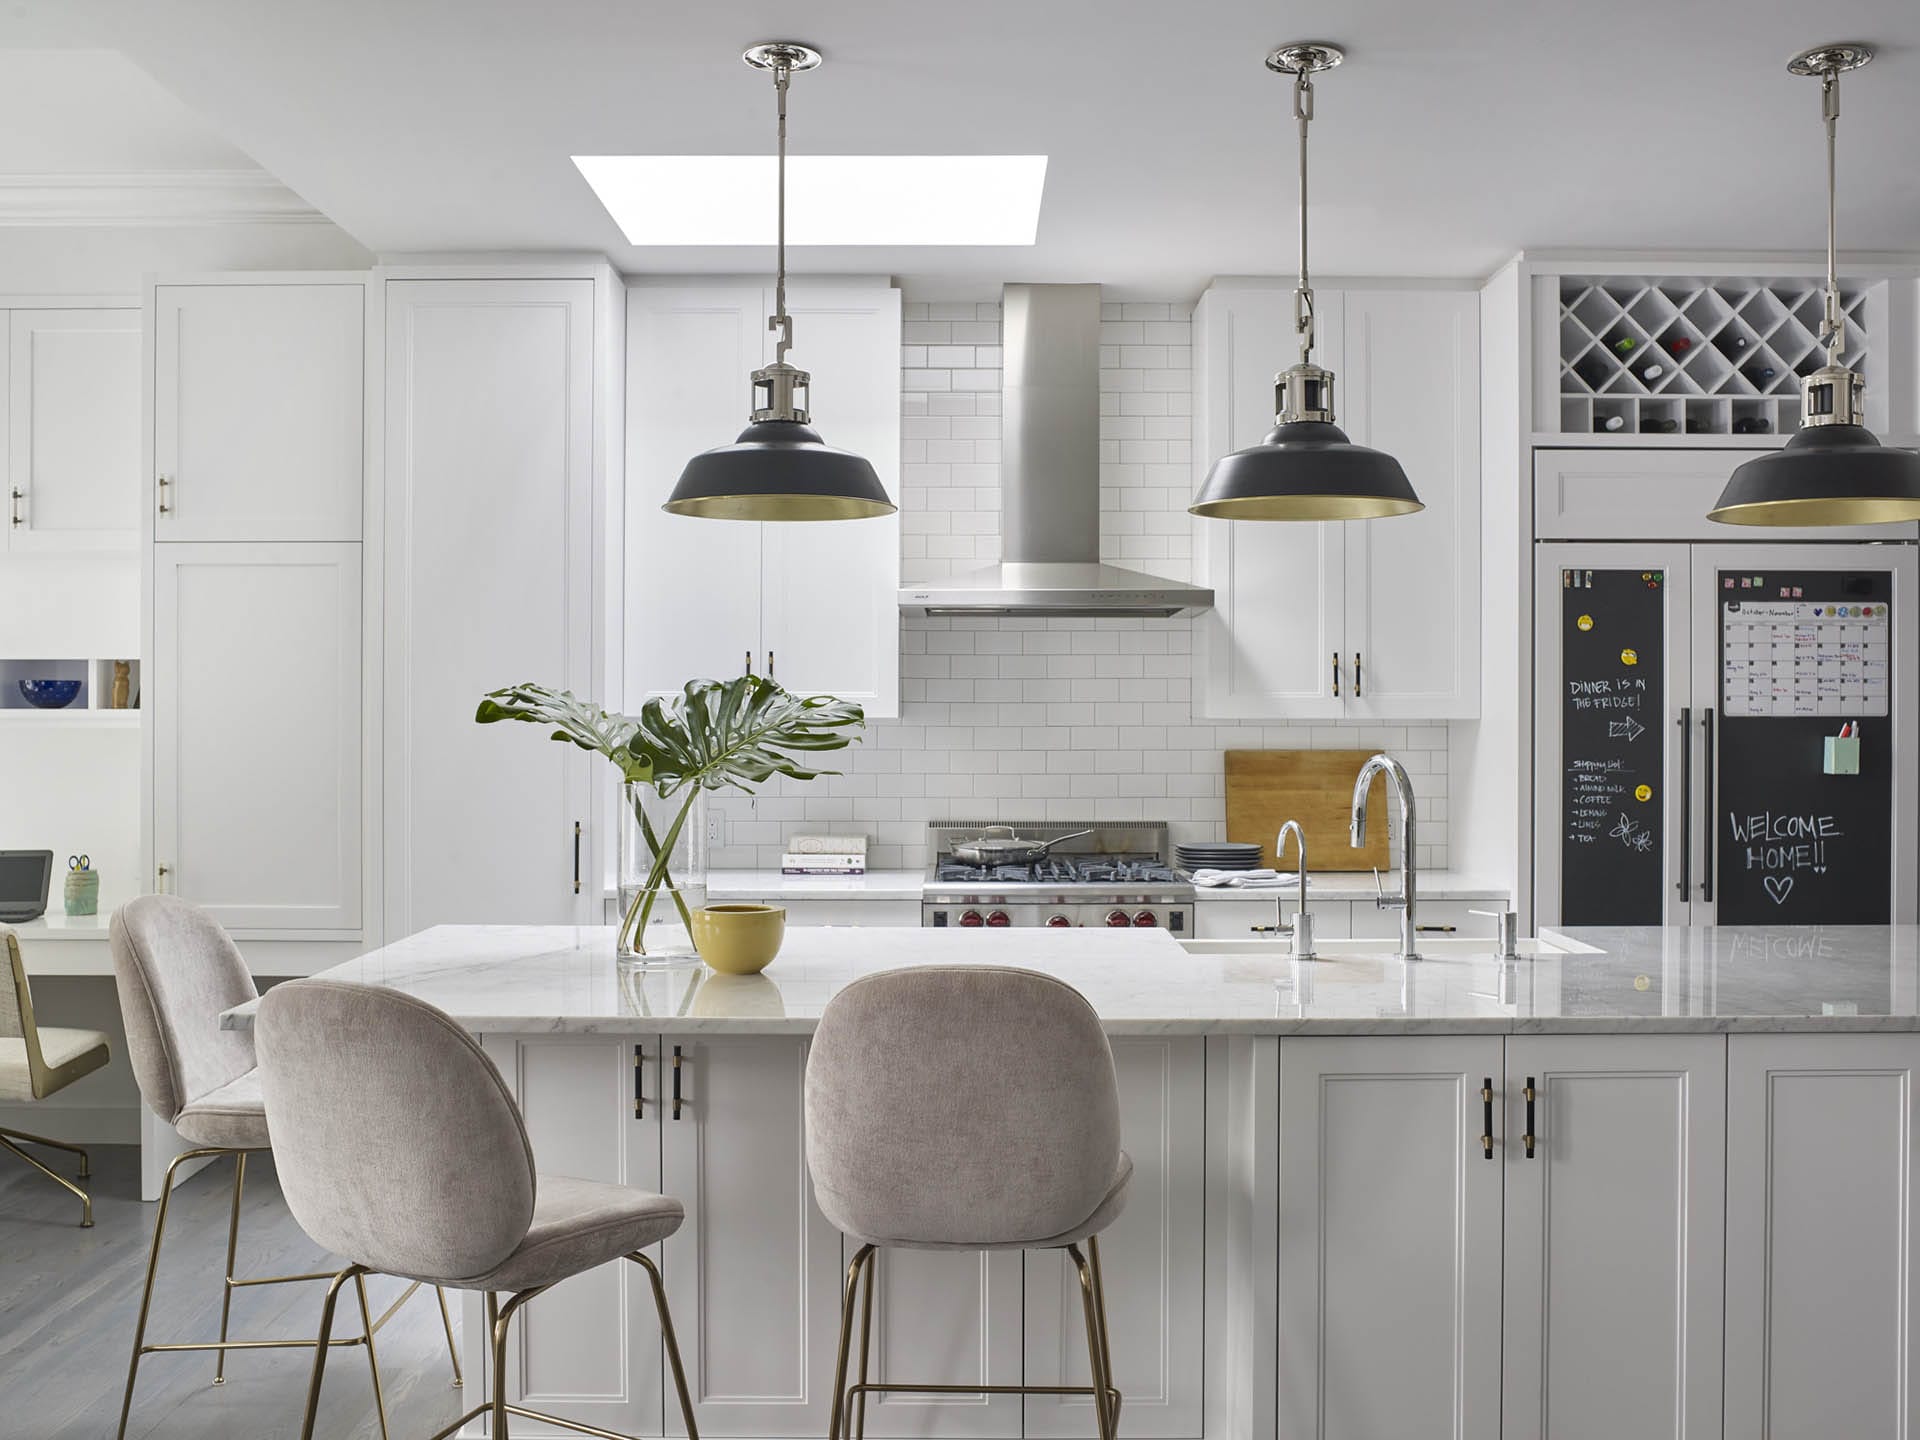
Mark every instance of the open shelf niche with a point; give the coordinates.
(94, 703)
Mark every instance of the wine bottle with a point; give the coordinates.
(1650, 372)
(1760, 376)
(1679, 345)
(1609, 422)
(1699, 425)
(1652, 425)
(1733, 343)
(1625, 345)
(1751, 425)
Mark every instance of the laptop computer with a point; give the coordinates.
(25, 876)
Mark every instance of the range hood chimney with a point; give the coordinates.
(1050, 479)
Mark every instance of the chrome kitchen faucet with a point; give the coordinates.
(1357, 836)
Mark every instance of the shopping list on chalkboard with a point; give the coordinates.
(1803, 653)
(1611, 741)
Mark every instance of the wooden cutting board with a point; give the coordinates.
(1267, 788)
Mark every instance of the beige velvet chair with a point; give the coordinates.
(399, 1146)
(176, 971)
(35, 1062)
(965, 1107)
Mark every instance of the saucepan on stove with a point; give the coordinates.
(999, 845)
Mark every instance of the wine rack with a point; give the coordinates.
(1642, 356)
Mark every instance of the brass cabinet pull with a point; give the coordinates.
(160, 885)
(163, 482)
(1356, 674)
(1336, 674)
(639, 1085)
(749, 662)
(1527, 1138)
(1486, 1117)
(678, 1098)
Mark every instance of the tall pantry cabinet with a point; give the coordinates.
(372, 498)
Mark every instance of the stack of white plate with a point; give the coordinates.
(1217, 855)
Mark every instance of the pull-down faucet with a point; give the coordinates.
(1357, 836)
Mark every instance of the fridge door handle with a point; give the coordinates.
(1707, 789)
(1685, 885)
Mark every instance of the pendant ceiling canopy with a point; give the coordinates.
(779, 468)
(1833, 471)
(1306, 468)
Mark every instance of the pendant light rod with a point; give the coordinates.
(780, 320)
(1303, 61)
(1828, 63)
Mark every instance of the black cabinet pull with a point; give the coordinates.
(1336, 674)
(1356, 674)
(576, 857)
(1527, 1138)
(1706, 869)
(639, 1086)
(677, 1099)
(749, 662)
(769, 665)
(1486, 1118)
(1685, 887)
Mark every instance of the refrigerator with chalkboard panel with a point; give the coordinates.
(1726, 733)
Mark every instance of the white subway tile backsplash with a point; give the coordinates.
(1059, 719)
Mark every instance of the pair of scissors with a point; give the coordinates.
(79, 862)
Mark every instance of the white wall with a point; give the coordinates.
(1060, 718)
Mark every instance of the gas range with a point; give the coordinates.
(1116, 876)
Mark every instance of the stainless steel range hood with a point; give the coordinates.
(1050, 479)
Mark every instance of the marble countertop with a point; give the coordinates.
(548, 979)
(1344, 885)
(772, 885)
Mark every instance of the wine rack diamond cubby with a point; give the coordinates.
(1643, 356)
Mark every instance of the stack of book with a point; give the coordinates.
(825, 855)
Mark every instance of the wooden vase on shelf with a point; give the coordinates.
(122, 684)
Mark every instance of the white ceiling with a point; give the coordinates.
(1455, 134)
(92, 112)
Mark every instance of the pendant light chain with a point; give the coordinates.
(780, 320)
(1833, 324)
(1303, 290)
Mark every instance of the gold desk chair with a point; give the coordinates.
(34, 1063)
(176, 970)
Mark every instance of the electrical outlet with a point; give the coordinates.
(716, 829)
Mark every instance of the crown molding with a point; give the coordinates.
(154, 197)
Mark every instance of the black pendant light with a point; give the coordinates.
(1833, 471)
(779, 468)
(1306, 468)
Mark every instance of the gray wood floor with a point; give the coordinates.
(68, 1299)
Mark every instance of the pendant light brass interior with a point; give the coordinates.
(1306, 468)
(779, 468)
(1833, 471)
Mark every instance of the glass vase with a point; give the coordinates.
(663, 874)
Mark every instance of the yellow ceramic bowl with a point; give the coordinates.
(739, 939)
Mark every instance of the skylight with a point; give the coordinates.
(831, 199)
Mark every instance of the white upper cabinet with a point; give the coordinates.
(1358, 619)
(73, 429)
(488, 581)
(258, 429)
(814, 604)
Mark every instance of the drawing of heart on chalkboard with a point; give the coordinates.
(1779, 887)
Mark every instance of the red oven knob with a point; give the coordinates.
(971, 919)
(1058, 922)
(998, 920)
(1116, 919)
(1145, 920)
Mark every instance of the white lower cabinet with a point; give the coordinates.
(1822, 1246)
(945, 1317)
(1390, 1236)
(588, 1350)
(1151, 1260)
(754, 1274)
(1614, 1251)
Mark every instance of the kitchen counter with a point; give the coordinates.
(1352, 885)
(772, 885)
(562, 979)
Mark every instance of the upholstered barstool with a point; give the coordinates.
(35, 1062)
(176, 971)
(400, 1147)
(965, 1107)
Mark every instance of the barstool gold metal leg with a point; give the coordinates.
(7, 1137)
(866, 1343)
(1100, 1309)
(146, 1293)
(373, 1360)
(672, 1343)
(453, 1346)
(233, 1241)
(860, 1258)
(1096, 1357)
(321, 1346)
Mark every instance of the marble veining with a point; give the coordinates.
(547, 979)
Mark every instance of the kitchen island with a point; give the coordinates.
(1655, 1182)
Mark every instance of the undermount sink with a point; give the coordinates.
(1432, 947)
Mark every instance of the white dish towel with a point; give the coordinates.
(1245, 879)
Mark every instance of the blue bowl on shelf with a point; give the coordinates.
(50, 694)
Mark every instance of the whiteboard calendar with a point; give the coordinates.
(1804, 657)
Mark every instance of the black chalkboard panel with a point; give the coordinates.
(1793, 844)
(1612, 846)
